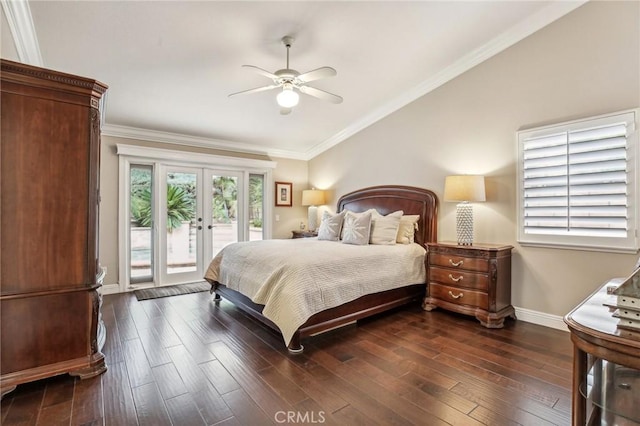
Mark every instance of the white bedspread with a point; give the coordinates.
(297, 278)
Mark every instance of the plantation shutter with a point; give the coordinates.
(576, 180)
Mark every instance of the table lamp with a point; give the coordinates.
(464, 189)
(313, 198)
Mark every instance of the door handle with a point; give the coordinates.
(456, 279)
(455, 296)
(458, 263)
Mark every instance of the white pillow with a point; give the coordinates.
(408, 227)
(384, 229)
(330, 226)
(371, 212)
(357, 229)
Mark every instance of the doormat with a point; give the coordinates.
(172, 290)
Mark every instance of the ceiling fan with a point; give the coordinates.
(291, 80)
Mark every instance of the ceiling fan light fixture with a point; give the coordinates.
(288, 98)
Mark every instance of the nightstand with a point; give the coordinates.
(303, 234)
(472, 280)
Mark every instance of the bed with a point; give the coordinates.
(385, 200)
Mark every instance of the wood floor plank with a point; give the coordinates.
(137, 363)
(55, 415)
(184, 412)
(212, 405)
(197, 349)
(126, 326)
(369, 397)
(59, 389)
(505, 363)
(169, 381)
(150, 406)
(112, 345)
(119, 407)
(245, 410)
(351, 416)
(88, 402)
(287, 389)
(497, 401)
(209, 402)
(260, 392)
(219, 377)
(437, 402)
(25, 408)
(537, 389)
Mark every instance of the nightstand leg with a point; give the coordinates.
(427, 306)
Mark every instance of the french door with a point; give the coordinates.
(199, 215)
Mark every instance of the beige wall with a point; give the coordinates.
(584, 64)
(294, 171)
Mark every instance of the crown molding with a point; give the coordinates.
(508, 38)
(186, 140)
(23, 31)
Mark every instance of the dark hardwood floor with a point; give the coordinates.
(184, 360)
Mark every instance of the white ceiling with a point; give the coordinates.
(171, 64)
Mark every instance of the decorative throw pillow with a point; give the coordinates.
(356, 229)
(330, 226)
(384, 229)
(348, 213)
(407, 228)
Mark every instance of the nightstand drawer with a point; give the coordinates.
(459, 296)
(459, 278)
(459, 262)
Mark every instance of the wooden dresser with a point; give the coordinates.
(472, 280)
(49, 290)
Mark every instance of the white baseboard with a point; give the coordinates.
(541, 318)
(110, 289)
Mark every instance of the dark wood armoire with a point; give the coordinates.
(49, 167)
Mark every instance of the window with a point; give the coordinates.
(578, 184)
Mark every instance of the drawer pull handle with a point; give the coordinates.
(456, 279)
(454, 296)
(458, 263)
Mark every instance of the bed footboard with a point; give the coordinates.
(346, 313)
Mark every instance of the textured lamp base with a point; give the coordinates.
(464, 224)
(313, 218)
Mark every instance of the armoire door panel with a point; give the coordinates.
(48, 189)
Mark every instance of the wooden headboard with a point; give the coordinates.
(390, 198)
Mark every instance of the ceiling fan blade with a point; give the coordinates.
(256, 90)
(317, 74)
(285, 111)
(263, 72)
(321, 94)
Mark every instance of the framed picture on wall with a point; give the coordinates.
(284, 197)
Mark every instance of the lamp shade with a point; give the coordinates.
(464, 188)
(312, 197)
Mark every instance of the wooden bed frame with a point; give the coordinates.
(385, 199)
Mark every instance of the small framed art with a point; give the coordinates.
(284, 197)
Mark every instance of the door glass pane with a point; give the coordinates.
(181, 224)
(141, 223)
(256, 192)
(224, 212)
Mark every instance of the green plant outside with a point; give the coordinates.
(179, 207)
